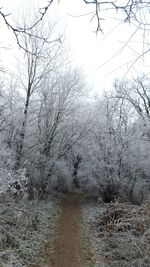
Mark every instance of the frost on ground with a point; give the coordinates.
(25, 228)
(119, 233)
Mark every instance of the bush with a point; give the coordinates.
(60, 179)
(13, 183)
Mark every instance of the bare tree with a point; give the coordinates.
(26, 30)
(58, 125)
(40, 63)
(131, 11)
(137, 93)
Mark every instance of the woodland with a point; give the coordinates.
(57, 138)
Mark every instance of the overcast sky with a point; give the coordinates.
(103, 57)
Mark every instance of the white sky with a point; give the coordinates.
(94, 53)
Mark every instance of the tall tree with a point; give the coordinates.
(40, 62)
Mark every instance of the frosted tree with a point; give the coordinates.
(40, 62)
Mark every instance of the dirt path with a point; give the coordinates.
(71, 247)
(68, 245)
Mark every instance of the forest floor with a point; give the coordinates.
(74, 231)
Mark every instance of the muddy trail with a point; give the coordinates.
(67, 247)
(71, 248)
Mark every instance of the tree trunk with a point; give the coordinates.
(22, 132)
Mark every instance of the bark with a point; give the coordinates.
(23, 131)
